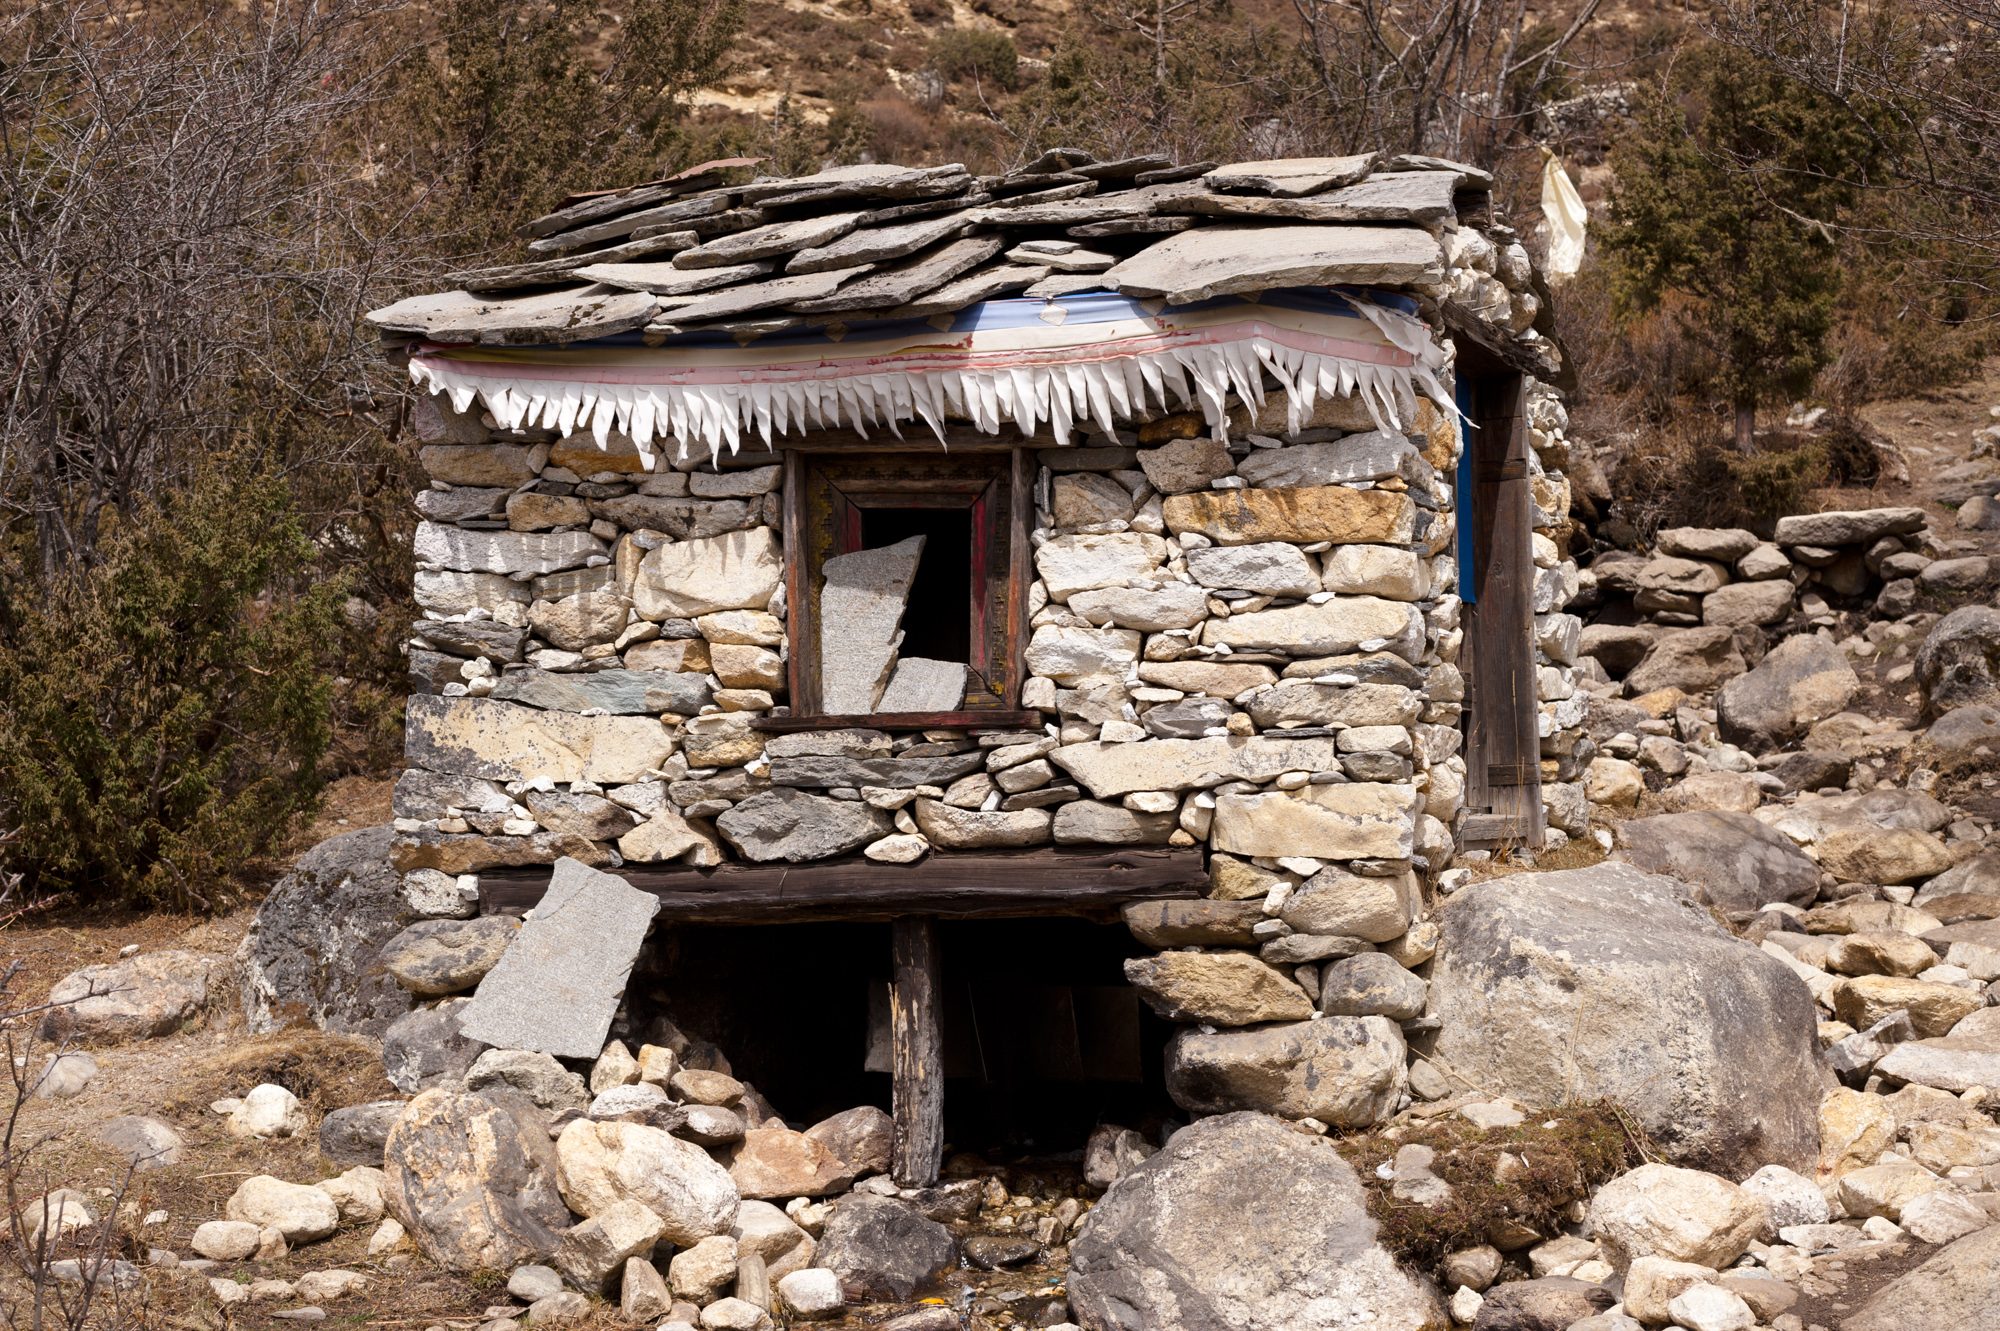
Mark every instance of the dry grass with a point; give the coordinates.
(325, 1071)
(1580, 853)
(1556, 1159)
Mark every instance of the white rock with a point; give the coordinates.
(1683, 1215)
(738, 570)
(268, 1112)
(1708, 1307)
(358, 1194)
(813, 1292)
(225, 1240)
(1939, 1217)
(1389, 571)
(1794, 1199)
(300, 1213)
(1069, 654)
(325, 1286)
(1070, 564)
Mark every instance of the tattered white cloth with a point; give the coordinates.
(1095, 358)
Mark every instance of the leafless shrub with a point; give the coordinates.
(53, 1276)
(1451, 77)
(182, 253)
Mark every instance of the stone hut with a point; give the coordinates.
(907, 550)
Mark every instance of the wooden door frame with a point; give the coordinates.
(1503, 788)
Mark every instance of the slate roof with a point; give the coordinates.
(698, 253)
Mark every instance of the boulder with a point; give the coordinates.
(950, 828)
(1612, 983)
(1934, 1008)
(1958, 664)
(314, 949)
(356, 1134)
(1294, 514)
(738, 570)
(267, 1111)
(1965, 730)
(762, 1230)
(1953, 1291)
(1219, 988)
(1336, 903)
(153, 993)
(1850, 527)
(357, 1194)
(1551, 1303)
(545, 1082)
(1722, 545)
(1692, 660)
(882, 1248)
(1682, 1215)
(298, 1211)
(701, 1272)
(1240, 1223)
(1863, 853)
(1348, 1072)
(593, 1253)
(861, 1138)
(1651, 1281)
(1616, 647)
(435, 957)
(1730, 860)
(1802, 680)
(144, 1143)
(1111, 1153)
(1271, 569)
(64, 1075)
(1885, 1188)
(779, 1162)
(812, 1292)
(1371, 984)
(424, 1049)
(1954, 1062)
(226, 1240)
(789, 824)
(473, 1180)
(601, 1164)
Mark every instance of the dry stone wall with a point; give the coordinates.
(1249, 647)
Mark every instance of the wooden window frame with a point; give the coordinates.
(825, 494)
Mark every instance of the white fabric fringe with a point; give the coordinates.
(1059, 397)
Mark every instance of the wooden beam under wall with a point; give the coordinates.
(916, 1053)
(966, 884)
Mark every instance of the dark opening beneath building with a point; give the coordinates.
(1043, 1039)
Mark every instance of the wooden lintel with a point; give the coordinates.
(965, 720)
(960, 885)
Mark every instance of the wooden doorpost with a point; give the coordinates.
(1503, 794)
(916, 1052)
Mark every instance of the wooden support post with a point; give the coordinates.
(916, 1052)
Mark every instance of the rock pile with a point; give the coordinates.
(1730, 578)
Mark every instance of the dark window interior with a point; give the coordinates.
(1043, 1039)
(938, 623)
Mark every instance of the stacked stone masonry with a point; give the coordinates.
(1247, 646)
